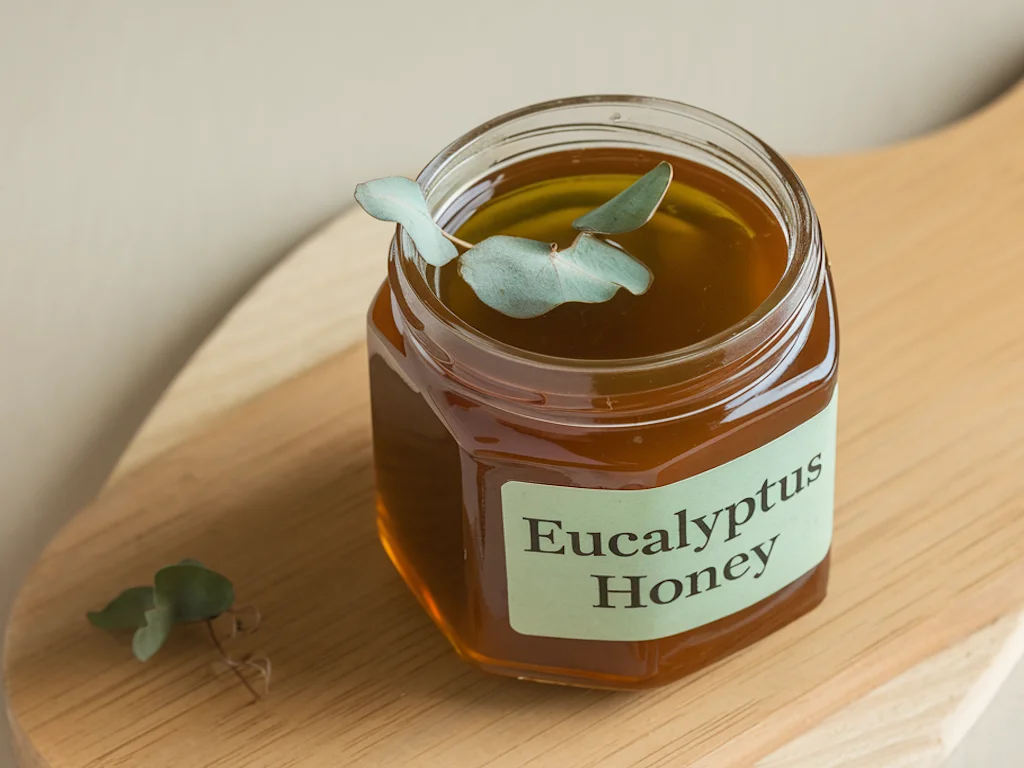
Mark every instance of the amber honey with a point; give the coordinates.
(546, 487)
(714, 247)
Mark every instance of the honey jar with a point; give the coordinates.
(611, 495)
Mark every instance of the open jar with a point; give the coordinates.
(569, 511)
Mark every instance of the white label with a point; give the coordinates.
(599, 564)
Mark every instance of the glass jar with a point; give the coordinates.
(611, 523)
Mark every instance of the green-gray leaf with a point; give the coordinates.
(632, 207)
(525, 278)
(401, 200)
(149, 638)
(609, 263)
(193, 592)
(126, 611)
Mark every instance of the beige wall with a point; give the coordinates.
(156, 157)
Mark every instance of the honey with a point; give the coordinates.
(715, 249)
(611, 495)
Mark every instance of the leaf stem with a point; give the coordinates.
(227, 660)
(458, 241)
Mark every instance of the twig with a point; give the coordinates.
(227, 660)
(261, 664)
(458, 241)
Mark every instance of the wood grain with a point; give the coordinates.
(257, 462)
(917, 719)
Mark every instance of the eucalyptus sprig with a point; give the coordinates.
(525, 278)
(184, 593)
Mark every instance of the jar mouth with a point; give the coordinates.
(670, 127)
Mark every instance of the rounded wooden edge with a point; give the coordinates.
(919, 717)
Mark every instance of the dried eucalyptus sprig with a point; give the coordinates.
(525, 278)
(185, 593)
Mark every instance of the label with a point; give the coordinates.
(597, 564)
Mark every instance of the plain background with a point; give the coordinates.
(157, 158)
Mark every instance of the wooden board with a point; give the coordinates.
(256, 461)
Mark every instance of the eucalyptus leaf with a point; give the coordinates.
(525, 278)
(126, 611)
(401, 200)
(632, 207)
(193, 592)
(609, 263)
(149, 638)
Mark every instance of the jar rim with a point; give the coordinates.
(801, 233)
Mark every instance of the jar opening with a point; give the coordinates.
(608, 122)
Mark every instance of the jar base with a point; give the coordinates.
(805, 595)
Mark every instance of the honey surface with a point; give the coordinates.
(716, 251)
